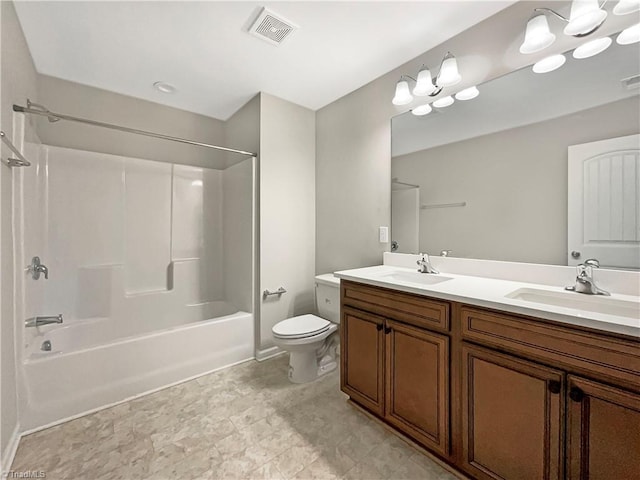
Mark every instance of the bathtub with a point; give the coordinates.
(89, 367)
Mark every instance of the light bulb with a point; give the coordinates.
(549, 64)
(422, 110)
(585, 17)
(448, 74)
(443, 102)
(629, 35)
(402, 96)
(424, 83)
(537, 36)
(467, 93)
(591, 48)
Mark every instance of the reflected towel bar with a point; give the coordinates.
(443, 205)
(20, 161)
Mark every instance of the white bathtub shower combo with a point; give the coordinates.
(143, 265)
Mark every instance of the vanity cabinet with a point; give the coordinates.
(395, 367)
(512, 417)
(417, 384)
(495, 394)
(362, 358)
(603, 431)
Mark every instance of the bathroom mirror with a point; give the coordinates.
(488, 177)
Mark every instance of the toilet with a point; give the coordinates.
(312, 340)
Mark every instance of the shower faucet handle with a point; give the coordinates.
(36, 268)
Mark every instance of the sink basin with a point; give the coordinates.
(590, 303)
(416, 277)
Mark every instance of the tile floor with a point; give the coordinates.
(244, 422)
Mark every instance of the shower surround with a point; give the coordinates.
(147, 264)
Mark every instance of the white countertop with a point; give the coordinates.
(492, 293)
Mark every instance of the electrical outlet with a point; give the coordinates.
(383, 234)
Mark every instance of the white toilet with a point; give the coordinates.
(311, 340)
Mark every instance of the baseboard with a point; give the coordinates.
(133, 397)
(10, 452)
(262, 355)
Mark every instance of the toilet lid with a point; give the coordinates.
(300, 326)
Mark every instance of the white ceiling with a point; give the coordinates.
(203, 48)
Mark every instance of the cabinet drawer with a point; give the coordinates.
(412, 309)
(615, 359)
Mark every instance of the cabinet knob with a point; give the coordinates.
(379, 326)
(576, 394)
(554, 386)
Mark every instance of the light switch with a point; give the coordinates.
(383, 234)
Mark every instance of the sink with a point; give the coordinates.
(590, 303)
(416, 277)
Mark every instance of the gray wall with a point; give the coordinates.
(353, 134)
(64, 97)
(514, 183)
(242, 132)
(287, 212)
(17, 81)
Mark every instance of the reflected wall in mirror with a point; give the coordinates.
(488, 178)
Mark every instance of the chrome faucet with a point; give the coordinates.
(39, 321)
(36, 268)
(424, 264)
(584, 280)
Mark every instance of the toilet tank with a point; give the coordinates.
(328, 297)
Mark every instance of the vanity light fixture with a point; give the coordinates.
(585, 18)
(549, 64)
(592, 47)
(467, 93)
(624, 7)
(425, 84)
(537, 36)
(629, 35)
(402, 96)
(449, 74)
(422, 110)
(443, 102)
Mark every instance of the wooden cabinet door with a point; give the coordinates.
(417, 384)
(362, 358)
(512, 417)
(603, 432)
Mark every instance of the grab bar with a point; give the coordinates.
(278, 292)
(13, 162)
(39, 321)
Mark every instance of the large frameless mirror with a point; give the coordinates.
(540, 168)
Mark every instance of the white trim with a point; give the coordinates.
(128, 399)
(10, 452)
(267, 353)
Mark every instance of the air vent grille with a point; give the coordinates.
(272, 28)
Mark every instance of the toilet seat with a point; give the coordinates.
(302, 326)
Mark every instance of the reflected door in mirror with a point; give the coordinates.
(604, 202)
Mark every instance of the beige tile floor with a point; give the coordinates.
(244, 422)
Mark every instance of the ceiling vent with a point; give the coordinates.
(632, 82)
(272, 28)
